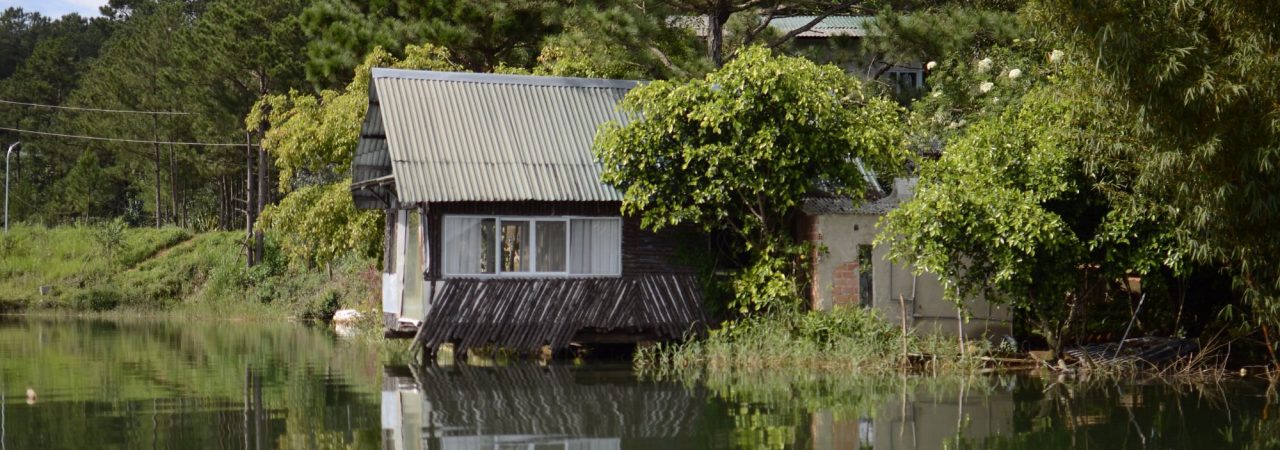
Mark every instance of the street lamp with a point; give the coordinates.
(6, 185)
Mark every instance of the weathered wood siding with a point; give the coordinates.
(524, 314)
(655, 293)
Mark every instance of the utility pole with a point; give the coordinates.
(7, 154)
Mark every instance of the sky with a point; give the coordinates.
(56, 8)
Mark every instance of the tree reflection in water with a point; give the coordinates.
(594, 407)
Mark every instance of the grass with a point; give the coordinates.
(845, 341)
(170, 270)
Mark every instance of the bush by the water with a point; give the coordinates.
(851, 340)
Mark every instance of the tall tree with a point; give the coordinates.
(480, 34)
(1197, 81)
(712, 16)
(739, 149)
(313, 140)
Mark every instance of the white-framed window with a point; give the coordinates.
(531, 246)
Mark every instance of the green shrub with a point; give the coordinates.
(319, 307)
(95, 299)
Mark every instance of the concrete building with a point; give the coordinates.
(851, 270)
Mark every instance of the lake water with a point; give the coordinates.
(146, 384)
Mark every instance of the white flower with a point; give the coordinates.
(937, 94)
(986, 86)
(1014, 74)
(1056, 56)
(984, 65)
(931, 65)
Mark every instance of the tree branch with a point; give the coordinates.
(751, 35)
(816, 20)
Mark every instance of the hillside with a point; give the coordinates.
(95, 268)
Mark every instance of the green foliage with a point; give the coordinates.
(320, 307)
(619, 41)
(313, 140)
(168, 269)
(739, 149)
(319, 224)
(110, 237)
(1200, 101)
(843, 340)
(483, 34)
(71, 258)
(949, 30)
(1012, 210)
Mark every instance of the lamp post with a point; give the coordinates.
(7, 154)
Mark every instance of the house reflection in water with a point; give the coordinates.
(535, 407)
(561, 407)
(924, 419)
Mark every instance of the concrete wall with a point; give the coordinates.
(836, 281)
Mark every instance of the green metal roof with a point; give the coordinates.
(828, 27)
(453, 136)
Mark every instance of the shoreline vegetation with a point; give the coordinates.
(855, 341)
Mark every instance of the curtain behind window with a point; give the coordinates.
(595, 246)
(468, 245)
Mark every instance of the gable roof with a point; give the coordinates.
(454, 136)
(829, 26)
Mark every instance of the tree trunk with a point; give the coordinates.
(251, 249)
(715, 33)
(262, 200)
(156, 146)
(173, 188)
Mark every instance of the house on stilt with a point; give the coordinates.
(498, 228)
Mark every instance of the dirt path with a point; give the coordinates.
(162, 252)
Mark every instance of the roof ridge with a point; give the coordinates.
(509, 79)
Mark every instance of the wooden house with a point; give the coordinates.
(498, 228)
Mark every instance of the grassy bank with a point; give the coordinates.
(846, 340)
(84, 268)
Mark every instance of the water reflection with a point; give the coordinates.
(136, 384)
(530, 406)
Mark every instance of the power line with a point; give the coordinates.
(77, 108)
(136, 141)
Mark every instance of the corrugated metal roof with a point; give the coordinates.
(828, 27)
(455, 136)
(372, 161)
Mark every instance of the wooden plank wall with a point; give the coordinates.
(525, 314)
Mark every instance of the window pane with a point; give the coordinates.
(551, 248)
(515, 246)
(468, 245)
(595, 246)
